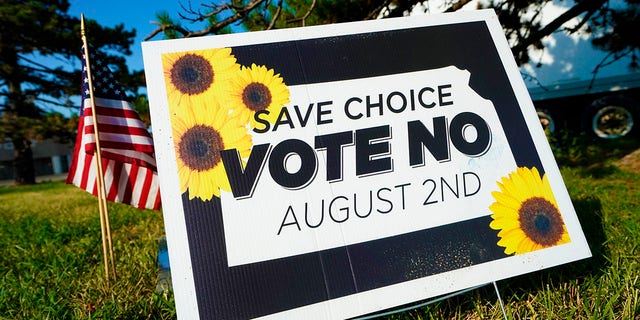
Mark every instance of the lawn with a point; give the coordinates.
(51, 263)
(51, 259)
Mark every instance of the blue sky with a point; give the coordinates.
(138, 14)
(134, 14)
(565, 57)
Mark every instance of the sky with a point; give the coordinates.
(138, 14)
(566, 58)
(134, 14)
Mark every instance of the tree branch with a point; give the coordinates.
(375, 13)
(457, 6)
(582, 22)
(163, 27)
(43, 67)
(605, 62)
(306, 15)
(579, 8)
(65, 105)
(199, 16)
(240, 14)
(275, 16)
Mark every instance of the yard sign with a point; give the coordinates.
(328, 172)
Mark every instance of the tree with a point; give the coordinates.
(613, 25)
(32, 32)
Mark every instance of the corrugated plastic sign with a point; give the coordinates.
(333, 171)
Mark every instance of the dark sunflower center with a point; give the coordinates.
(200, 148)
(541, 221)
(256, 96)
(192, 74)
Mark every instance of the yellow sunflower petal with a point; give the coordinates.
(515, 233)
(506, 200)
(183, 174)
(178, 127)
(499, 210)
(511, 241)
(194, 77)
(188, 114)
(523, 190)
(565, 237)
(201, 132)
(526, 245)
(511, 188)
(529, 181)
(194, 185)
(257, 88)
(220, 176)
(525, 198)
(208, 187)
(505, 223)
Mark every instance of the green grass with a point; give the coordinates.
(51, 264)
(51, 259)
(606, 286)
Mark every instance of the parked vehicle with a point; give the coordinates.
(606, 107)
(577, 87)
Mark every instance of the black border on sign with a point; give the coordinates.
(263, 288)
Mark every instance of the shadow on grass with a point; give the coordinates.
(589, 211)
(45, 185)
(600, 171)
(583, 151)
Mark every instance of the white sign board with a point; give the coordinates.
(328, 172)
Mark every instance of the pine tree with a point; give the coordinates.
(613, 23)
(32, 32)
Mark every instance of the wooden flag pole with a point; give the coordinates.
(102, 198)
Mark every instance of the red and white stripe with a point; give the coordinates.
(123, 136)
(127, 155)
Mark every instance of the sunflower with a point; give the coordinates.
(526, 213)
(194, 77)
(200, 133)
(255, 89)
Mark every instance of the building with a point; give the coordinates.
(49, 157)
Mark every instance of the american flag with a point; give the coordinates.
(128, 161)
